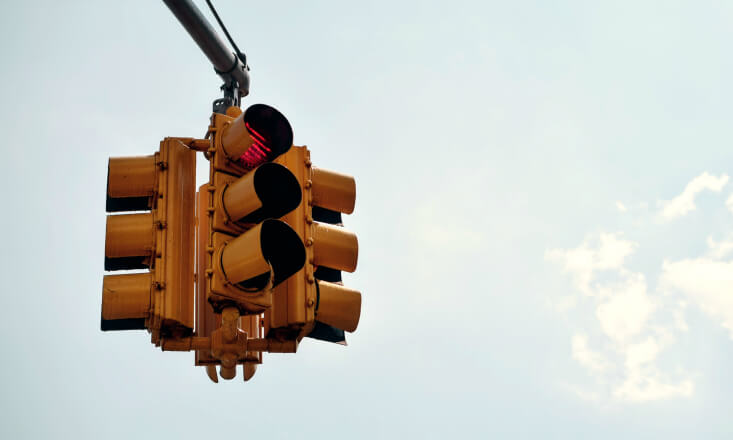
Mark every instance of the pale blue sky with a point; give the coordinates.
(513, 163)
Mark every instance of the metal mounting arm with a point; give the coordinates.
(232, 70)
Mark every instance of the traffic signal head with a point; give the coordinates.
(159, 240)
(250, 251)
(270, 244)
(314, 297)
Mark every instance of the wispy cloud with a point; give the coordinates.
(649, 384)
(705, 281)
(719, 249)
(685, 202)
(632, 323)
(626, 309)
(625, 359)
(584, 261)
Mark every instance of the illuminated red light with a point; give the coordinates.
(258, 153)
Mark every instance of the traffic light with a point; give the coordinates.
(257, 252)
(314, 303)
(157, 237)
(249, 251)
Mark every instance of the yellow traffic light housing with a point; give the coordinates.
(249, 251)
(257, 252)
(308, 300)
(159, 240)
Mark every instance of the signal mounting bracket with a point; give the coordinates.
(232, 97)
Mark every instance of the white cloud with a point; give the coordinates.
(652, 385)
(578, 262)
(612, 251)
(706, 282)
(630, 323)
(627, 311)
(685, 202)
(720, 249)
(642, 353)
(582, 262)
(679, 317)
(625, 367)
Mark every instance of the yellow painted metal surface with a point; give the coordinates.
(252, 325)
(221, 221)
(206, 320)
(238, 271)
(129, 235)
(297, 303)
(242, 259)
(235, 139)
(218, 160)
(334, 247)
(240, 198)
(231, 281)
(290, 309)
(249, 370)
(334, 191)
(338, 306)
(175, 261)
(161, 240)
(221, 291)
(126, 296)
(131, 176)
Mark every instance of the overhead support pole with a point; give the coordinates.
(226, 63)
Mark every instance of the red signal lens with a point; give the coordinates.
(258, 153)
